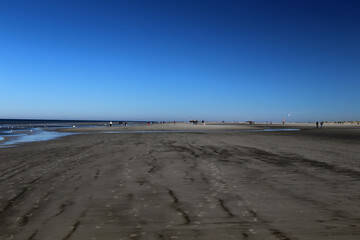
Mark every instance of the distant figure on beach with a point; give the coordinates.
(148, 123)
(110, 123)
(321, 124)
(317, 124)
(125, 124)
(203, 122)
(195, 122)
(174, 122)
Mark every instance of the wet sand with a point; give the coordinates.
(171, 185)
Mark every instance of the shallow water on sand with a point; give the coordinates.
(30, 135)
(204, 131)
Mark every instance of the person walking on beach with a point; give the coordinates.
(321, 124)
(317, 124)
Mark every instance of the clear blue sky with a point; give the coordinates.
(180, 60)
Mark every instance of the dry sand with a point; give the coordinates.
(173, 185)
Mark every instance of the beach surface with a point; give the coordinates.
(184, 181)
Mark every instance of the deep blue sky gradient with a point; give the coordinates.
(180, 60)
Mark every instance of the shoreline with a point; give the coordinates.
(51, 133)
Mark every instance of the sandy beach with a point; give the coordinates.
(210, 184)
